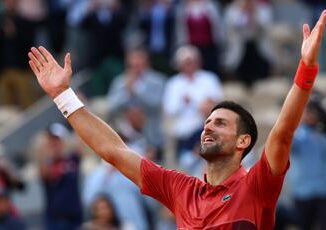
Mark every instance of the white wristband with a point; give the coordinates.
(68, 102)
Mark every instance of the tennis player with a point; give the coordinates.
(228, 197)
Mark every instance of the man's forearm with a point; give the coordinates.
(106, 143)
(96, 134)
(291, 112)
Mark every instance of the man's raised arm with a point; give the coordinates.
(97, 134)
(279, 141)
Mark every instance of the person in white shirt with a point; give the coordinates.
(189, 95)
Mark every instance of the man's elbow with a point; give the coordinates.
(283, 138)
(110, 154)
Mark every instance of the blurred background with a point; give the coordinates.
(152, 69)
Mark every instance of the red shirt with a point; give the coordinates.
(245, 200)
(200, 30)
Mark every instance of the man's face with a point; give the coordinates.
(56, 145)
(189, 65)
(137, 62)
(220, 135)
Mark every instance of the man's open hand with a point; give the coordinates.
(312, 40)
(51, 76)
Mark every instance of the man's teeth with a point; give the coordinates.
(208, 139)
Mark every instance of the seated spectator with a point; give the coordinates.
(9, 179)
(103, 216)
(192, 163)
(131, 128)
(189, 96)
(129, 203)
(167, 220)
(142, 85)
(308, 181)
(59, 170)
(7, 219)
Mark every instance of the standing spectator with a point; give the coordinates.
(18, 31)
(246, 24)
(141, 85)
(156, 21)
(56, 23)
(103, 216)
(308, 181)
(105, 21)
(189, 96)
(60, 177)
(199, 23)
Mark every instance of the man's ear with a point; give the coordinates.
(243, 141)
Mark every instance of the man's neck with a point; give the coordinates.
(220, 169)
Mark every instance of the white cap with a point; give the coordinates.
(58, 130)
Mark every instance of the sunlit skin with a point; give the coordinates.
(220, 135)
(221, 145)
(55, 79)
(103, 212)
(137, 62)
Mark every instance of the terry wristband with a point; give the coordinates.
(68, 102)
(305, 76)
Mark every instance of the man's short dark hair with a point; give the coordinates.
(246, 123)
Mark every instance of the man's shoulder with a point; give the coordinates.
(150, 165)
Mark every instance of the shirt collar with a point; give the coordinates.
(239, 173)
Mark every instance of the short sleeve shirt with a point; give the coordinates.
(245, 200)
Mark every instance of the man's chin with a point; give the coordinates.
(209, 150)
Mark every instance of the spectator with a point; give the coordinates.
(127, 200)
(246, 25)
(60, 177)
(167, 220)
(103, 215)
(56, 23)
(18, 29)
(132, 129)
(199, 24)
(156, 21)
(189, 96)
(9, 179)
(141, 85)
(308, 181)
(7, 219)
(192, 163)
(105, 22)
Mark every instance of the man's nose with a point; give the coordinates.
(208, 127)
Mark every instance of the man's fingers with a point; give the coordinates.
(306, 31)
(322, 17)
(67, 66)
(35, 61)
(33, 67)
(46, 54)
(40, 58)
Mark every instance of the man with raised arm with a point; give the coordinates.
(228, 197)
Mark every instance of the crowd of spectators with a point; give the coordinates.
(161, 65)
